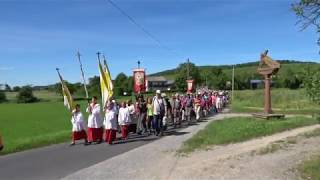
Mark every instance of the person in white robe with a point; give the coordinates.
(124, 120)
(78, 126)
(95, 129)
(110, 124)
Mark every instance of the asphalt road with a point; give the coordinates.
(57, 161)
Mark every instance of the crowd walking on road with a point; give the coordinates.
(150, 116)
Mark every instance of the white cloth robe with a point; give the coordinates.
(124, 116)
(110, 120)
(94, 119)
(77, 122)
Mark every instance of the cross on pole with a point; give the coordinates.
(98, 54)
(82, 74)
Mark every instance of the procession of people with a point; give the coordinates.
(147, 116)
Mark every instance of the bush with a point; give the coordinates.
(3, 97)
(25, 95)
(312, 85)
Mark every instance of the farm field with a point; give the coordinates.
(25, 126)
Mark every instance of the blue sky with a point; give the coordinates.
(36, 36)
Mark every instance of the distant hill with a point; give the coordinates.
(247, 68)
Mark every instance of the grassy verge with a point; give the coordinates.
(310, 169)
(283, 101)
(239, 129)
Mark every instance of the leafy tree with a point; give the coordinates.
(94, 86)
(120, 84)
(181, 77)
(308, 12)
(7, 88)
(312, 84)
(16, 88)
(129, 84)
(72, 87)
(25, 95)
(3, 97)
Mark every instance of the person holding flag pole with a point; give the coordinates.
(78, 127)
(106, 86)
(83, 78)
(95, 130)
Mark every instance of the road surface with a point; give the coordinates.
(57, 161)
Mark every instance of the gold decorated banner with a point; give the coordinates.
(105, 84)
(67, 98)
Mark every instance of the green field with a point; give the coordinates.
(283, 101)
(24, 126)
(239, 129)
(43, 95)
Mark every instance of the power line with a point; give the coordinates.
(131, 19)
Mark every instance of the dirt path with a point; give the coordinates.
(238, 161)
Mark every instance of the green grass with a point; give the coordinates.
(43, 95)
(310, 169)
(239, 129)
(24, 126)
(283, 101)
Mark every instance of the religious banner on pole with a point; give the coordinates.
(190, 86)
(139, 77)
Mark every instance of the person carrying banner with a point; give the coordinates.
(197, 106)
(110, 123)
(188, 107)
(78, 127)
(95, 130)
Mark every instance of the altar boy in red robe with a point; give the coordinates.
(78, 126)
(95, 130)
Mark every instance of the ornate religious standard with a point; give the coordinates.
(267, 68)
(139, 78)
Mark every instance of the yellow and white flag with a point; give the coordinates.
(109, 75)
(67, 98)
(105, 84)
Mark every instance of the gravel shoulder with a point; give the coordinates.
(159, 160)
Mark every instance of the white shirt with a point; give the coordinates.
(131, 109)
(77, 122)
(157, 103)
(94, 119)
(124, 116)
(110, 121)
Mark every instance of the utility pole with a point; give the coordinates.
(232, 82)
(206, 80)
(188, 70)
(82, 74)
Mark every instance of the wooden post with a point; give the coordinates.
(267, 94)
